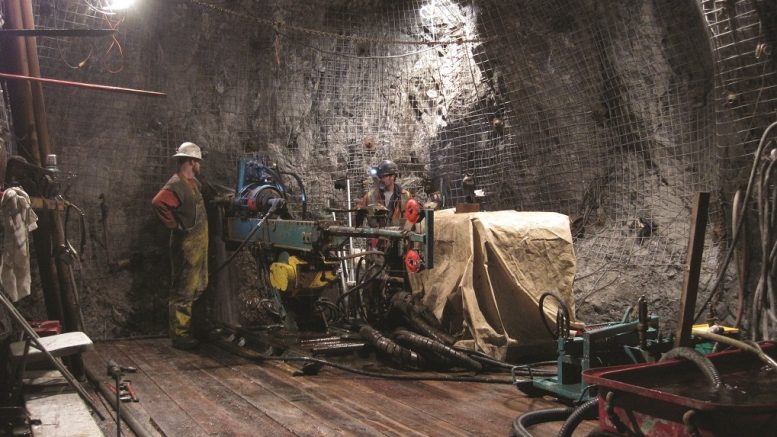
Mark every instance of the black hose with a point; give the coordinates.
(438, 348)
(386, 345)
(245, 241)
(561, 306)
(702, 362)
(588, 411)
(358, 286)
(515, 368)
(256, 357)
(419, 324)
(530, 418)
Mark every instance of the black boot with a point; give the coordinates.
(185, 342)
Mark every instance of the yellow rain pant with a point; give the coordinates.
(189, 257)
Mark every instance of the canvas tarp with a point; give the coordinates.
(490, 269)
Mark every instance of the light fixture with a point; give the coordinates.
(118, 5)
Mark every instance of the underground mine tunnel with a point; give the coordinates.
(388, 217)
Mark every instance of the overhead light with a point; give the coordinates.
(118, 5)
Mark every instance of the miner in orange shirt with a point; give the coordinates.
(180, 207)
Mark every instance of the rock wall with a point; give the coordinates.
(603, 111)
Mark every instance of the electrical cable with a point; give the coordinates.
(245, 240)
(360, 285)
(748, 191)
(741, 258)
(518, 367)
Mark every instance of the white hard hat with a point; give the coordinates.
(189, 150)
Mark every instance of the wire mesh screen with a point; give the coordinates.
(609, 112)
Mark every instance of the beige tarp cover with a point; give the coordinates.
(490, 269)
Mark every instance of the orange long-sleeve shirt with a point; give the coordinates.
(165, 202)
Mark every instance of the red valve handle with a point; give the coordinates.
(413, 261)
(412, 211)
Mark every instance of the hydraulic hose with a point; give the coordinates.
(523, 369)
(702, 362)
(389, 347)
(256, 357)
(246, 240)
(564, 327)
(588, 411)
(445, 352)
(530, 418)
(420, 325)
(753, 348)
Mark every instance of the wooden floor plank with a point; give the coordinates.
(304, 394)
(206, 400)
(154, 404)
(214, 392)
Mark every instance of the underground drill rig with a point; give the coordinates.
(300, 261)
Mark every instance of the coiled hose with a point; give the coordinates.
(702, 362)
(536, 417)
(572, 417)
(587, 411)
(562, 326)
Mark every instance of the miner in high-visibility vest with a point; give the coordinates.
(180, 206)
(388, 193)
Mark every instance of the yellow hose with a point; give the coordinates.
(753, 348)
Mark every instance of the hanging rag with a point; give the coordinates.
(18, 220)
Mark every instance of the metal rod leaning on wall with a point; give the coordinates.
(57, 363)
(692, 269)
(70, 304)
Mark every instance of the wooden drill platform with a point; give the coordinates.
(213, 392)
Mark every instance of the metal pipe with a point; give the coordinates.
(54, 32)
(38, 105)
(70, 305)
(21, 101)
(20, 95)
(365, 232)
(90, 86)
(350, 224)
